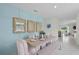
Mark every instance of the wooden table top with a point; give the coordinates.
(38, 42)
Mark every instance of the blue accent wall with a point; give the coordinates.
(7, 37)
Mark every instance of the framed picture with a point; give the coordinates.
(31, 26)
(38, 26)
(19, 25)
(48, 25)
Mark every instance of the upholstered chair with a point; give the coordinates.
(22, 47)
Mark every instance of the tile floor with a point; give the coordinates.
(67, 47)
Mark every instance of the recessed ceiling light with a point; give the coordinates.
(55, 6)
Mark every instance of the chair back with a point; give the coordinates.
(22, 47)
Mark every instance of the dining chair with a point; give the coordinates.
(22, 47)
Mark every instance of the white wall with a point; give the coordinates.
(77, 23)
(54, 26)
(71, 27)
(69, 24)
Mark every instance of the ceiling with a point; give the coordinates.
(64, 11)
